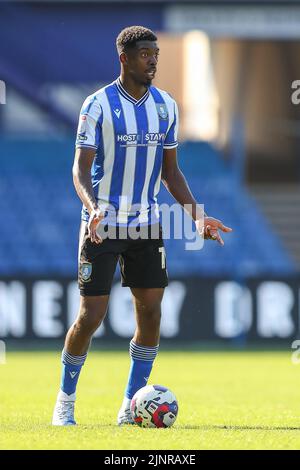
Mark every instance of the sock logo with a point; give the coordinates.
(72, 374)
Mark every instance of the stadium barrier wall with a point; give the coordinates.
(193, 309)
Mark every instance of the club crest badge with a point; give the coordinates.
(162, 110)
(85, 271)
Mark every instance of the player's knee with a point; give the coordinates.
(88, 321)
(153, 315)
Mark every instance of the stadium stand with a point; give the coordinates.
(41, 215)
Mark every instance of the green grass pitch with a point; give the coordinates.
(227, 400)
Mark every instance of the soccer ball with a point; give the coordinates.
(154, 406)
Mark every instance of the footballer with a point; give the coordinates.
(126, 145)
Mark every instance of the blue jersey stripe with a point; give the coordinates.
(97, 168)
(88, 106)
(141, 154)
(98, 130)
(171, 137)
(119, 160)
(97, 171)
(163, 127)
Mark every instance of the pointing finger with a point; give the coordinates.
(219, 239)
(224, 228)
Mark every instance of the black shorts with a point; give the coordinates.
(142, 263)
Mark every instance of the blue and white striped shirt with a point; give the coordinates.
(129, 136)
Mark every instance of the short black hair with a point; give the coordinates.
(128, 37)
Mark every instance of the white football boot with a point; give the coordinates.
(63, 414)
(124, 415)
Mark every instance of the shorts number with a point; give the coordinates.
(163, 257)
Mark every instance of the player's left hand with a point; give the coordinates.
(211, 228)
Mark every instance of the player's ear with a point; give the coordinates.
(123, 58)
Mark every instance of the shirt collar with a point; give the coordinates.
(130, 98)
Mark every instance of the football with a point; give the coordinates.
(154, 406)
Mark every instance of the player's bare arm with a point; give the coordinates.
(83, 161)
(176, 184)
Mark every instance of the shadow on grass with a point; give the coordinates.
(203, 427)
(212, 427)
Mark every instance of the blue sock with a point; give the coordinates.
(71, 367)
(142, 358)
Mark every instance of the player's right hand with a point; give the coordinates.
(95, 218)
(211, 229)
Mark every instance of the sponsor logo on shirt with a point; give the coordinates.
(81, 137)
(141, 140)
(82, 125)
